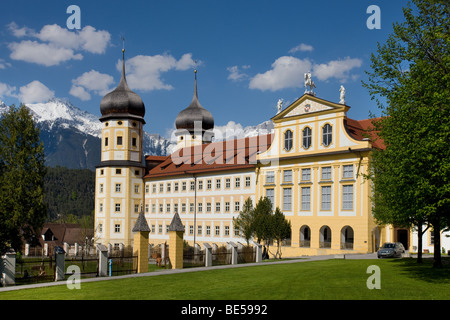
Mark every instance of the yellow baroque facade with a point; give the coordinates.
(314, 172)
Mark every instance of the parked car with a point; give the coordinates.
(391, 250)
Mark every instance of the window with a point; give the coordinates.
(270, 196)
(191, 207)
(287, 198)
(192, 185)
(119, 140)
(200, 185)
(118, 171)
(136, 208)
(306, 198)
(227, 230)
(183, 207)
(347, 197)
(133, 142)
(153, 208)
(175, 186)
(168, 207)
(168, 187)
(217, 232)
(100, 227)
(161, 208)
(106, 141)
(217, 206)
(208, 207)
(217, 183)
(287, 176)
(118, 187)
(117, 207)
(306, 143)
(237, 182)
(237, 206)
(326, 198)
(227, 207)
(208, 230)
(153, 228)
(100, 207)
(326, 173)
(247, 181)
(199, 230)
(183, 186)
(146, 188)
(227, 183)
(154, 188)
(236, 232)
(191, 230)
(200, 207)
(161, 188)
(306, 174)
(347, 172)
(117, 228)
(208, 184)
(288, 140)
(270, 177)
(326, 135)
(101, 187)
(136, 188)
(160, 228)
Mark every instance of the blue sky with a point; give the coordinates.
(248, 54)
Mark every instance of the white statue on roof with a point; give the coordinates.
(309, 83)
(279, 105)
(342, 95)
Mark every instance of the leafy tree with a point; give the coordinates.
(22, 170)
(281, 229)
(245, 220)
(410, 81)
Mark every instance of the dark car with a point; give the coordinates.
(391, 250)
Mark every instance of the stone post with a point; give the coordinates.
(258, 248)
(8, 268)
(60, 255)
(46, 249)
(140, 242)
(176, 232)
(66, 248)
(234, 252)
(27, 249)
(102, 252)
(208, 255)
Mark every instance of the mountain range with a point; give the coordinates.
(72, 136)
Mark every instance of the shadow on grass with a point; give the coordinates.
(424, 271)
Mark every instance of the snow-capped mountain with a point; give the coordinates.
(72, 136)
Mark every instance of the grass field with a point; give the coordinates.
(317, 280)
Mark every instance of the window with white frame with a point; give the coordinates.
(270, 195)
(347, 171)
(306, 138)
(247, 181)
(326, 198)
(118, 187)
(227, 206)
(208, 230)
(326, 173)
(117, 228)
(227, 231)
(237, 182)
(347, 197)
(237, 206)
(270, 177)
(305, 198)
(287, 176)
(287, 199)
(217, 206)
(306, 174)
(117, 207)
(218, 183)
(288, 140)
(217, 231)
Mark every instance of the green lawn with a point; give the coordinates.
(330, 280)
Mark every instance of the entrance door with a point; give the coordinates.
(403, 237)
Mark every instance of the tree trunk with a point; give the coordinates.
(420, 233)
(437, 244)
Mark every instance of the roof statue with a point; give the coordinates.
(279, 105)
(342, 95)
(309, 83)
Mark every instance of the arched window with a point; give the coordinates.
(347, 236)
(306, 138)
(327, 136)
(325, 237)
(305, 237)
(288, 140)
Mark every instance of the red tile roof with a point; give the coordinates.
(360, 129)
(213, 157)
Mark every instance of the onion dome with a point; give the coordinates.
(194, 113)
(122, 102)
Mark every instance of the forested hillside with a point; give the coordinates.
(69, 194)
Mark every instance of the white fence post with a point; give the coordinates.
(102, 260)
(60, 255)
(8, 269)
(234, 253)
(208, 255)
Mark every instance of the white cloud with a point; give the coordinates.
(302, 47)
(4, 64)
(286, 72)
(144, 72)
(7, 90)
(93, 81)
(236, 74)
(34, 92)
(41, 53)
(338, 69)
(57, 44)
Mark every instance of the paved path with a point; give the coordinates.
(173, 271)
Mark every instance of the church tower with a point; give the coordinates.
(194, 124)
(119, 193)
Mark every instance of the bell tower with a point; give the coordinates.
(119, 194)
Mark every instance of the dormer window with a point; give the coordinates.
(288, 140)
(327, 135)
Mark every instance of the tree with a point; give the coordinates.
(22, 170)
(245, 220)
(410, 81)
(281, 229)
